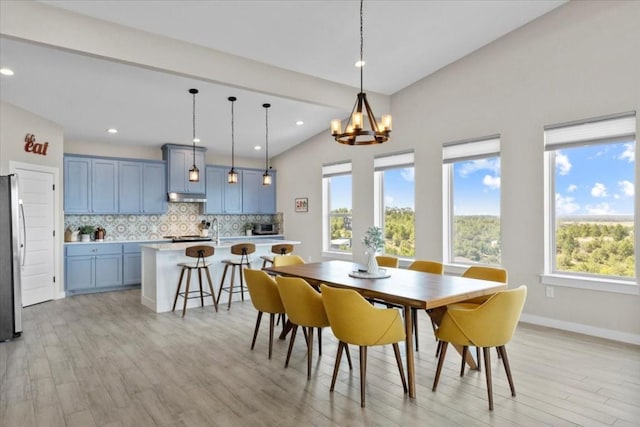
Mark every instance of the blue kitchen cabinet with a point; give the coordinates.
(79, 273)
(93, 267)
(233, 195)
(179, 160)
(108, 271)
(215, 180)
(154, 188)
(130, 187)
(258, 198)
(77, 184)
(104, 186)
(131, 263)
(142, 187)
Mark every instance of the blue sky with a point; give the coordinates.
(476, 187)
(595, 180)
(399, 188)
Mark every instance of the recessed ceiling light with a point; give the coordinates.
(6, 71)
(257, 147)
(360, 63)
(112, 130)
(299, 122)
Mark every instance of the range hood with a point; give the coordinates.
(187, 197)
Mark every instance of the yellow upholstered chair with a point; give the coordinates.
(433, 267)
(281, 249)
(355, 321)
(487, 325)
(265, 298)
(387, 261)
(282, 260)
(304, 307)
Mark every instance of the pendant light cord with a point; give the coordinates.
(361, 49)
(232, 139)
(194, 128)
(266, 159)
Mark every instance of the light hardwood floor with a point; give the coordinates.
(105, 360)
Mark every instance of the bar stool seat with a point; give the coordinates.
(244, 250)
(281, 249)
(200, 253)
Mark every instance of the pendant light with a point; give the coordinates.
(266, 178)
(232, 176)
(355, 132)
(194, 173)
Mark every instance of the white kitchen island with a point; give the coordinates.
(160, 270)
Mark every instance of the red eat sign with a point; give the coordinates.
(31, 146)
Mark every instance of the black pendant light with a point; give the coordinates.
(266, 178)
(355, 132)
(232, 176)
(194, 173)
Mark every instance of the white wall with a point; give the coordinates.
(581, 60)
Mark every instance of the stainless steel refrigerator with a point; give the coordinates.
(12, 238)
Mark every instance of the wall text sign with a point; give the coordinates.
(31, 146)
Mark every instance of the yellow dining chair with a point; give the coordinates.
(303, 305)
(387, 261)
(491, 324)
(265, 298)
(282, 260)
(433, 267)
(355, 321)
(281, 249)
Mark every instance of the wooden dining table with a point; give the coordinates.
(406, 288)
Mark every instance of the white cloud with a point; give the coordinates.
(388, 200)
(599, 209)
(408, 174)
(493, 182)
(565, 205)
(571, 188)
(629, 153)
(562, 163)
(492, 165)
(599, 190)
(627, 188)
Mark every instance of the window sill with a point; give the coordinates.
(345, 256)
(594, 284)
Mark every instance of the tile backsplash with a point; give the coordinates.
(180, 219)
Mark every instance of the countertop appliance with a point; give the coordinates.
(262, 229)
(193, 238)
(12, 247)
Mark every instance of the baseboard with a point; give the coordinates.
(581, 329)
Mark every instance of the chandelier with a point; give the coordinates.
(266, 178)
(355, 132)
(194, 173)
(232, 176)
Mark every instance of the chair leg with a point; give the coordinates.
(487, 372)
(346, 347)
(443, 352)
(363, 373)
(396, 350)
(479, 359)
(319, 341)
(271, 320)
(224, 275)
(240, 269)
(438, 347)
(502, 351)
(309, 352)
(213, 295)
(465, 350)
(255, 331)
(336, 366)
(186, 293)
(175, 300)
(200, 283)
(294, 329)
(233, 280)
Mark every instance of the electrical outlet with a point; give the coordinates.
(549, 291)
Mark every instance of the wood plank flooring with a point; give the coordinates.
(105, 360)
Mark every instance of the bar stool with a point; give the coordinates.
(282, 249)
(244, 250)
(199, 252)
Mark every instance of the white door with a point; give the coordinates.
(35, 189)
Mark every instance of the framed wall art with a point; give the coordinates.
(302, 204)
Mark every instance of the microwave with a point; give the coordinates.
(264, 229)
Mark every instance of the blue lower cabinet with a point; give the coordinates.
(131, 263)
(108, 271)
(93, 267)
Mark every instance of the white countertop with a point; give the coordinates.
(272, 239)
(223, 244)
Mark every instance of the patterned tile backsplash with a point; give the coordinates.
(180, 219)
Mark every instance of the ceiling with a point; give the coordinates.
(404, 41)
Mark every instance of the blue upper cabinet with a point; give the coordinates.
(130, 187)
(215, 180)
(179, 160)
(142, 187)
(77, 184)
(258, 198)
(154, 188)
(104, 186)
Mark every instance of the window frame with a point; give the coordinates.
(329, 171)
(458, 151)
(574, 134)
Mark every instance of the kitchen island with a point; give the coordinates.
(160, 270)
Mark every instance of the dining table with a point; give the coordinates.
(408, 289)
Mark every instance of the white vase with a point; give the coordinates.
(85, 237)
(372, 263)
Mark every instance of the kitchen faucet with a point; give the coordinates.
(214, 223)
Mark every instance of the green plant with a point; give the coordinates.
(373, 239)
(86, 229)
(248, 226)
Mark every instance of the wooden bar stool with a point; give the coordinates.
(244, 250)
(200, 253)
(282, 249)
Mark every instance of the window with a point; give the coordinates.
(395, 203)
(471, 177)
(590, 198)
(336, 207)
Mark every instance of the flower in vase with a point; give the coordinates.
(373, 239)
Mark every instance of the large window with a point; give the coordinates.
(471, 176)
(395, 203)
(591, 192)
(336, 207)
